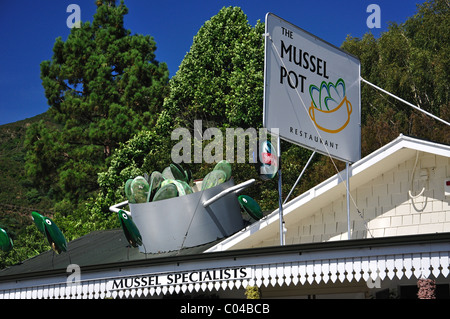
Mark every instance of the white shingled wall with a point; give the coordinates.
(385, 205)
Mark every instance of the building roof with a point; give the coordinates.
(106, 249)
(94, 250)
(374, 164)
(359, 260)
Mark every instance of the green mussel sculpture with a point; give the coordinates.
(139, 189)
(250, 206)
(155, 180)
(214, 178)
(6, 243)
(51, 231)
(224, 166)
(167, 191)
(182, 187)
(130, 229)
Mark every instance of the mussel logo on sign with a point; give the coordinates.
(330, 101)
(311, 91)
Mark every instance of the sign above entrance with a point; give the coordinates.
(160, 280)
(311, 91)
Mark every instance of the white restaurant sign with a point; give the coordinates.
(311, 91)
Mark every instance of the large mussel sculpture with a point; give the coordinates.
(220, 174)
(172, 182)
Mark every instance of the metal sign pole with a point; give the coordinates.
(348, 200)
(280, 198)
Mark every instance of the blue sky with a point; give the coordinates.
(28, 30)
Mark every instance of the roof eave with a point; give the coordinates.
(248, 252)
(356, 169)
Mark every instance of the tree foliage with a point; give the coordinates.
(214, 84)
(145, 152)
(103, 85)
(220, 80)
(410, 60)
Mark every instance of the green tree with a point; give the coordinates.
(220, 80)
(145, 152)
(103, 85)
(429, 39)
(28, 244)
(410, 60)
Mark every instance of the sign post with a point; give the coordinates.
(312, 94)
(280, 194)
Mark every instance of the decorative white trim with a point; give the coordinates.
(293, 269)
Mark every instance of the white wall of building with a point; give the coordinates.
(385, 205)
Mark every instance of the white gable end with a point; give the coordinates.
(397, 190)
